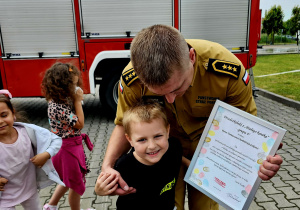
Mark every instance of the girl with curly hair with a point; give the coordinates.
(60, 86)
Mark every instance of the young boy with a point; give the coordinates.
(152, 165)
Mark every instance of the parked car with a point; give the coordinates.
(288, 36)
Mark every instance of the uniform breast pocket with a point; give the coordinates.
(201, 111)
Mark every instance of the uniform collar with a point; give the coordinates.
(195, 65)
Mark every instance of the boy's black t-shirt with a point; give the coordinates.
(155, 184)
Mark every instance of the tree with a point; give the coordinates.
(273, 21)
(295, 21)
(286, 27)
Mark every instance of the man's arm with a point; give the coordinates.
(186, 162)
(117, 146)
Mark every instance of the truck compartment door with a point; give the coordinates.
(30, 27)
(225, 22)
(113, 18)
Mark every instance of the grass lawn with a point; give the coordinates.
(287, 85)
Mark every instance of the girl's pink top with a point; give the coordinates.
(18, 169)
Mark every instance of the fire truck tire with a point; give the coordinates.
(109, 91)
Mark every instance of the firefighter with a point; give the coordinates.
(186, 77)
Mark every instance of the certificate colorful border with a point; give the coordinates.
(212, 126)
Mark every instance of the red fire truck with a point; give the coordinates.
(95, 35)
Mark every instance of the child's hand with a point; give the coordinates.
(106, 184)
(40, 159)
(78, 94)
(3, 181)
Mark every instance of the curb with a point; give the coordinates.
(282, 53)
(278, 98)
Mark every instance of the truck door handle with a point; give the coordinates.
(127, 46)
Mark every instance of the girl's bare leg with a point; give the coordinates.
(74, 200)
(58, 193)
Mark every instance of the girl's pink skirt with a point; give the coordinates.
(70, 164)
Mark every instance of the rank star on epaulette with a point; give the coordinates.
(129, 77)
(226, 67)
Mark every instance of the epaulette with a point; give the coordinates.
(226, 67)
(129, 76)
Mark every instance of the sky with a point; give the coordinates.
(286, 5)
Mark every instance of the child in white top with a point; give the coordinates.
(19, 164)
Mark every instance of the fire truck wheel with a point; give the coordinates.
(109, 92)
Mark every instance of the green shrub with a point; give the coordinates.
(266, 40)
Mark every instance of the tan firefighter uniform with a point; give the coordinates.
(218, 74)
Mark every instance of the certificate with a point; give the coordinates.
(231, 149)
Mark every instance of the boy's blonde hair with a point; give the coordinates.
(156, 52)
(143, 112)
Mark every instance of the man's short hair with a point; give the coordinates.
(156, 52)
(143, 112)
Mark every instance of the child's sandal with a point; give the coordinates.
(49, 207)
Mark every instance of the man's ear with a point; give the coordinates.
(192, 55)
(128, 139)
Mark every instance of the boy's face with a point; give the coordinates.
(150, 140)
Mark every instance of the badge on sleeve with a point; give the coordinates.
(129, 77)
(246, 78)
(121, 87)
(225, 67)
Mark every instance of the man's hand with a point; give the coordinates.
(122, 188)
(270, 167)
(106, 184)
(3, 181)
(40, 159)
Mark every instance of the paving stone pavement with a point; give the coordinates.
(281, 192)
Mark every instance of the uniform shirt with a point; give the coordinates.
(218, 74)
(154, 184)
(16, 167)
(62, 119)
